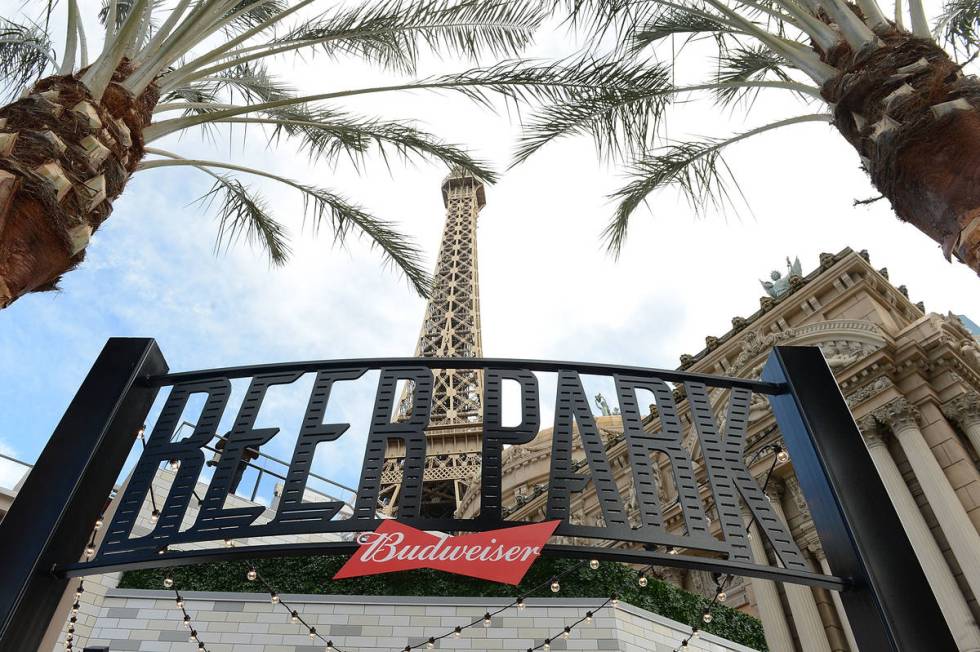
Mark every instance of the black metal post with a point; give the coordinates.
(889, 604)
(50, 521)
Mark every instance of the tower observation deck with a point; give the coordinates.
(450, 328)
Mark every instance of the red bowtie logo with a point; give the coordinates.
(498, 555)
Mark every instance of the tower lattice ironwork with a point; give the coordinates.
(450, 328)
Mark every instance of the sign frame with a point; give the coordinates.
(885, 594)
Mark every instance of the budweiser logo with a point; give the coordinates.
(498, 555)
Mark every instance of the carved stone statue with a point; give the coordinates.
(780, 284)
(603, 405)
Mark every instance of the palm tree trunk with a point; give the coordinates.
(913, 117)
(64, 158)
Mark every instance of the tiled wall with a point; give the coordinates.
(148, 621)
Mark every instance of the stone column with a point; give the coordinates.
(831, 612)
(940, 577)
(903, 419)
(774, 625)
(835, 596)
(965, 410)
(809, 626)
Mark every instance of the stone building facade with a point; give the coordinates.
(911, 378)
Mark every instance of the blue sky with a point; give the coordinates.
(548, 289)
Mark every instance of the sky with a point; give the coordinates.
(548, 288)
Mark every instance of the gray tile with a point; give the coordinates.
(122, 645)
(346, 630)
(122, 612)
(180, 636)
(221, 605)
(607, 644)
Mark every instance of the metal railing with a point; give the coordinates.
(260, 464)
(27, 468)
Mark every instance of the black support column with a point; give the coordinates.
(59, 502)
(889, 604)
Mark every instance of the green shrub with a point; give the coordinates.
(311, 575)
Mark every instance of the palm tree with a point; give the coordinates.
(83, 125)
(885, 82)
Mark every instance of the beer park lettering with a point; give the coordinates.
(722, 454)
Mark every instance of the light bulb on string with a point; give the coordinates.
(168, 582)
(555, 586)
(547, 644)
(274, 598)
(155, 516)
(431, 643)
(174, 465)
(722, 596)
(193, 636)
(229, 543)
(200, 645)
(672, 551)
(588, 617)
(594, 564)
(252, 575)
(781, 455)
(520, 603)
(642, 581)
(90, 549)
(180, 602)
(330, 646)
(74, 609)
(99, 522)
(486, 619)
(312, 632)
(187, 621)
(294, 617)
(457, 632)
(615, 600)
(707, 617)
(568, 632)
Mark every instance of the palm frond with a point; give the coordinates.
(696, 168)
(25, 52)
(243, 213)
(742, 64)
(251, 13)
(251, 82)
(123, 7)
(326, 134)
(393, 32)
(678, 21)
(399, 251)
(246, 214)
(959, 25)
(621, 112)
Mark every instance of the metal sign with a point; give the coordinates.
(883, 589)
(498, 555)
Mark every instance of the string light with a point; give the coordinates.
(155, 516)
(555, 586)
(781, 455)
(312, 632)
(180, 602)
(487, 620)
(547, 643)
(706, 615)
(520, 604)
(615, 600)
(567, 633)
(643, 581)
(168, 582)
(594, 564)
(274, 598)
(457, 632)
(722, 596)
(252, 575)
(588, 617)
(431, 643)
(174, 465)
(330, 647)
(229, 543)
(294, 617)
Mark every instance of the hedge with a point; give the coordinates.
(311, 575)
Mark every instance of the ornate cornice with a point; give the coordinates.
(865, 392)
(870, 430)
(898, 414)
(964, 409)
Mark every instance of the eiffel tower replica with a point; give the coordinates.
(450, 328)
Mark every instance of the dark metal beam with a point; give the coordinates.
(889, 604)
(50, 521)
(668, 375)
